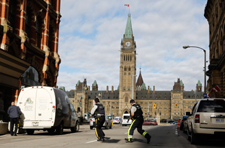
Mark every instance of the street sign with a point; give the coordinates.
(205, 95)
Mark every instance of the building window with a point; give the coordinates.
(38, 31)
(50, 37)
(28, 22)
(125, 69)
(12, 13)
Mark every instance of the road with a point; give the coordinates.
(162, 137)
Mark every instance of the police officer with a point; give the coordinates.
(98, 112)
(137, 117)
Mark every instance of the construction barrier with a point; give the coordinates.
(178, 124)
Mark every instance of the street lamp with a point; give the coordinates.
(133, 86)
(185, 47)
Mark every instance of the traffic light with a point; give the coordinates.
(154, 106)
(176, 105)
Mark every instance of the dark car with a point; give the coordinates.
(183, 119)
(150, 122)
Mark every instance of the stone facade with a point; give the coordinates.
(171, 104)
(214, 13)
(29, 32)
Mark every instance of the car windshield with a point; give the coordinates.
(126, 117)
(212, 106)
(185, 117)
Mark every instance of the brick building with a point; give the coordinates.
(29, 31)
(215, 15)
(168, 104)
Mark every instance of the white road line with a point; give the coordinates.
(91, 141)
(126, 133)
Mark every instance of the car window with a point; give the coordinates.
(212, 106)
(126, 117)
(194, 108)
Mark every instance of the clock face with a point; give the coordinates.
(127, 44)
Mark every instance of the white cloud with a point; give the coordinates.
(91, 32)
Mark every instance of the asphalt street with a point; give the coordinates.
(162, 137)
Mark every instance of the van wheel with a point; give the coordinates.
(30, 132)
(51, 131)
(77, 127)
(73, 129)
(194, 137)
(59, 129)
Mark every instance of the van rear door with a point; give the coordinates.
(212, 113)
(27, 101)
(44, 104)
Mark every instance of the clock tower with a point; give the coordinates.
(127, 85)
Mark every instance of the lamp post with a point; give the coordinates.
(133, 86)
(185, 47)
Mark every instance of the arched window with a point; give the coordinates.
(126, 99)
(125, 69)
(30, 77)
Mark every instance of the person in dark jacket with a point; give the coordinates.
(136, 115)
(98, 111)
(14, 114)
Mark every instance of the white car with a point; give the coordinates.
(117, 120)
(107, 124)
(126, 120)
(207, 118)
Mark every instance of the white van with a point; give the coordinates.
(47, 108)
(125, 121)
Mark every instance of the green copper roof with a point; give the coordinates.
(199, 83)
(78, 82)
(95, 83)
(128, 31)
(181, 83)
(118, 87)
(143, 86)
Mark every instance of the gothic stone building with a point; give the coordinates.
(167, 104)
(215, 15)
(29, 31)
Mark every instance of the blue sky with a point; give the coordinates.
(91, 32)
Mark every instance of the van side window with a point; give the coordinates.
(194, 108)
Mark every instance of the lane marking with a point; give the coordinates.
(91, 141)
(126, 133)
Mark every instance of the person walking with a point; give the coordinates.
(136, 115)
(98, 111)
(14, 114)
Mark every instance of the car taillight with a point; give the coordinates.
(182, 120)
(197, 118)
(122, 120)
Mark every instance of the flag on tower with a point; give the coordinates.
(126, 5)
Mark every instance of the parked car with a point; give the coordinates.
(117, 120)
(207, 118)
(184, 118)
(150, 122)
(47, 108)
(175, 122)
(166, 120)
(126, 120)
(107, 124)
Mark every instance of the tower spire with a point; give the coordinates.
(128, 30)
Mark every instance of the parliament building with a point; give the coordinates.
(171, 104)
